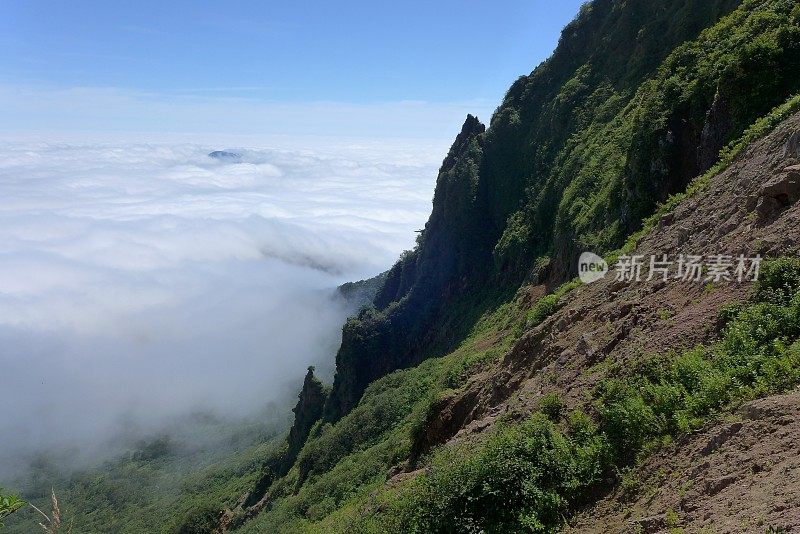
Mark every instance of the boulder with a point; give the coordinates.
(779, 193)
(791, 150)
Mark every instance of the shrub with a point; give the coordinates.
(778, 281)
(581, 426)
(758, 354)
(629, 422)
(549, 304)
(199, 519)
(551, 406)
(543, 309)
(526, 477)
(8, 505)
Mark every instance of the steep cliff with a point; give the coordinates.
(635, 101)
(406, 321)
(466, 333)
(481, 388)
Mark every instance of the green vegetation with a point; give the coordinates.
(530, 476)
(342, 464)
(549, 304)
(758, 129)
(525, 477)
(8, 505)
(758, 354)
(197, 519)
(552, 406)
(582, 153)
(609, 137)
(163, 485)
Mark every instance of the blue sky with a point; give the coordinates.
(178, 66)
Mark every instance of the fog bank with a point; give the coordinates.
(142, 281)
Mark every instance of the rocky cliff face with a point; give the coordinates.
(307, 411)
(634, 102)
(401, 327)
(618, 321)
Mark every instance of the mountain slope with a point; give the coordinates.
(615, 322)
(627, 110)
(581, 398)
(731, 476)
(637, 100)
(481, 391)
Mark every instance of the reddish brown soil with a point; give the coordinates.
(741, 475)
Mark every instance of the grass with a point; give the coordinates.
(53, 523)
(532, 476)
(342, 465)
(549, 304)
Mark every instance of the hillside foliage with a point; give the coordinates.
(637, 101)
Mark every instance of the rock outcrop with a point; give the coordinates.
(791, 150)
(577, 154)
(778, 194)
(307, 411)
(226, 156)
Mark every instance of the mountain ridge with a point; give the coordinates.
(578, 154)
(482, 388)
(488, 233)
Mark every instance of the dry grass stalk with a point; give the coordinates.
(53, 522)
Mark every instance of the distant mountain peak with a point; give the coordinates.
(226, 155)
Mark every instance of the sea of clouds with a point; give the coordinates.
(142, 280)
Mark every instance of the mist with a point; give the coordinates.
(143, 281)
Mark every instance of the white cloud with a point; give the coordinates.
(141, 280)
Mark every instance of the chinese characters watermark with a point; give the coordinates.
(683, 267)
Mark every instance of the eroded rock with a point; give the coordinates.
(778, 193)
(791, 150)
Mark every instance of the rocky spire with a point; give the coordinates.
(307, 411)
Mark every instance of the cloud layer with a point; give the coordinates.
(139, 281)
